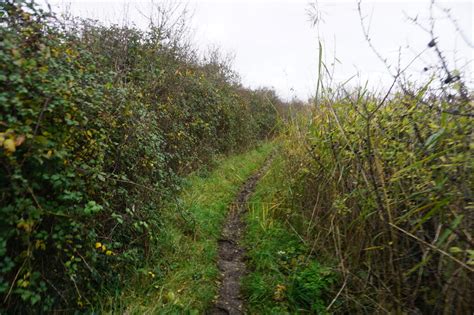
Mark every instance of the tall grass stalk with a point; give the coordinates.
(386, 186)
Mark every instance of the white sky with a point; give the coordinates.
(275, 45)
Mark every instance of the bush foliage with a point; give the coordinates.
(97, 126)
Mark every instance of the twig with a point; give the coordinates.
(13, 282)
(337, 295)
(433, 247)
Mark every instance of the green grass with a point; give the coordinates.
(283, 278)
(184, 277)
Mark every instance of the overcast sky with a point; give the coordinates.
(275, 44)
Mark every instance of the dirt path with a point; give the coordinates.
(231, 254)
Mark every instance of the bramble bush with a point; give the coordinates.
(97, 127)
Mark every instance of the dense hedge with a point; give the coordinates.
(97, 126)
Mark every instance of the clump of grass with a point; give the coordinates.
(284, 277)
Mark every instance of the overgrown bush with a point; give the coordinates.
(384, 183)
(97, 126)
(385, 187)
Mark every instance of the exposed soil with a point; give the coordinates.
(231, 254)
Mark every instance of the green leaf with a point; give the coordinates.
(433, 139)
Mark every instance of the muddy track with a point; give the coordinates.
(231, 254)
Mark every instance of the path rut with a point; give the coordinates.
(231, 254)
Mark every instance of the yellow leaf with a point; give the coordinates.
(279, 294)
(169, 297)
(23, 283)
(9, 145)
(374, 248)
(39, 244)
(27, 225)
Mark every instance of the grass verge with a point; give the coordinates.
(184, 278)
(284, 278)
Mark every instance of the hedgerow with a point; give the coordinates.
(97, 127)
(384, 188)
